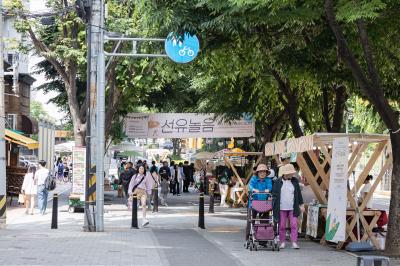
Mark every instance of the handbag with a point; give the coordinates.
(135, 186)
(21, 198)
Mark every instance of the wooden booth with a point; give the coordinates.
(314, 156)
(15, 173)
(241, 192)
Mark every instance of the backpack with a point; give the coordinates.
(50, 182)
(60, 168)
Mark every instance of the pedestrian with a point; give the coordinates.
(60, 169)
(146, 166)
(156, 182)
(153, 167)
(141, 185)
(259, 183)
(365, 190)
(285, 159)
(173, 174)
(29, 189)
(191, 174)
(288, 204)
(42, 193)
(165, 175)
(125, 178)
(186, 173)
(224, 175)
(179, 179)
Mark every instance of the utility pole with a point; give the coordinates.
(3, 195)
(93, 44)
(100, 128)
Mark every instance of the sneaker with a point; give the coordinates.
(165, 205)
(295, 246)
(179, 194)
(282, 246)
(145, 222)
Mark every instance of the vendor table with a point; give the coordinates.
(351, 223)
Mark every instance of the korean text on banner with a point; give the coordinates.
(335, 229)
(78, 170)
(186, 125)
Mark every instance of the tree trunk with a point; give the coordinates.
(325, 109)
(393, 234)
(341, 97)
(370, 84)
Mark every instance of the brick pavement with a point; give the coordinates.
(171, 239)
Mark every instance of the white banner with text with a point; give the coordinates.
(335, 229)
(186, 125)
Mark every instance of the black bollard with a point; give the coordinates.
(155, 199)
(134, 212)
(201, 211)
(211, 206)
(54, 213)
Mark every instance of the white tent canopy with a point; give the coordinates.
(64, 147)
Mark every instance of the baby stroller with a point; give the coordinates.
(263, 231)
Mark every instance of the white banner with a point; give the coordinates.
(335, 229)
(78, 170)
(185, 125)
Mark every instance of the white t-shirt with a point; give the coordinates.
(41, 175)
(366, 188)
(287, 195)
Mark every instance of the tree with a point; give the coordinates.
(37, 111)
(366, 17)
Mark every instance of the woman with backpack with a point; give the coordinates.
(141, 185)
(29, 190)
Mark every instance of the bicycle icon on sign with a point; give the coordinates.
(184, 50)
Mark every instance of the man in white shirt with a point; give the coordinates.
(42, 192)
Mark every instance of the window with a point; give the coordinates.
(12, 121)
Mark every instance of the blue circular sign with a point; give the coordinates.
(182, 50)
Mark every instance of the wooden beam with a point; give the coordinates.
(385, 167)
(358, 154)
(311, 179)
(320, 170)
(361, 178)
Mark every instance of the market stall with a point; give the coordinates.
(314, 157)
(229, 156)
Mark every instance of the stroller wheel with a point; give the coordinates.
(255, 247)
(251, 247)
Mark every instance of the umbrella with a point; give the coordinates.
(131, 153)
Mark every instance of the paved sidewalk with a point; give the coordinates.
(172, 238)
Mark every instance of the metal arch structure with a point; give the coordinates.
(100, 106)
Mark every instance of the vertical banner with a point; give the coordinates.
(335, 229)
(78, 170)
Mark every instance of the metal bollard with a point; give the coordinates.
(54, 217)
(134, 212)
(211, 206)
(155, 199)
(201, 211)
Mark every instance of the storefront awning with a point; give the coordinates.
(21, 140)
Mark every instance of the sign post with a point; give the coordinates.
(335, 229)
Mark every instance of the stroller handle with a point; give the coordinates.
(261, 193)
